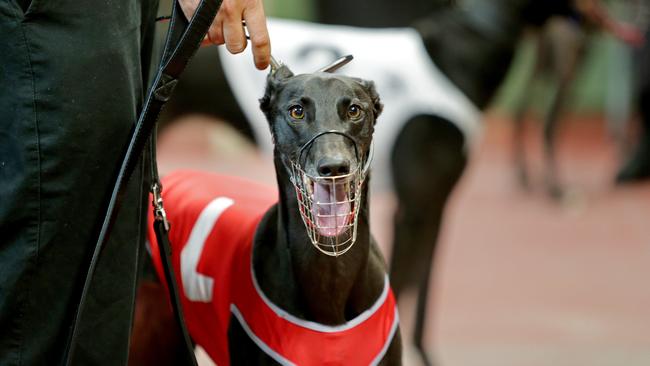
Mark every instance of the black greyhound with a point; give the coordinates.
(472, 44)
(315, 266)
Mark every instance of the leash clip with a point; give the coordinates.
(157, 202)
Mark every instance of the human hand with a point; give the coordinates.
(628, 34)
(597, 13)
(227, 27)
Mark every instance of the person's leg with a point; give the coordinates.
(637, 167)
(76, 85)
(19, 178)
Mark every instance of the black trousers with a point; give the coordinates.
(72, 79)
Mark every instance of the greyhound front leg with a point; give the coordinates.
(428, 159)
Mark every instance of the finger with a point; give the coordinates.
(215, 34)
(189, 8)
(233, 31)
(259, 35)
(207, 40)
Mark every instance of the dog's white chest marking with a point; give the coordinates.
(198, 287)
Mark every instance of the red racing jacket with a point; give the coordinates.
(213, 223)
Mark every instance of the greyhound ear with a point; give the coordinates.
(274, 81)
(369, 87)
(282, 73)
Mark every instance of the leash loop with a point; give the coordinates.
(166, 88)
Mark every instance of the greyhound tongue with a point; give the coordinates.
(331, 209)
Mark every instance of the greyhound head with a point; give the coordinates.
(322, 126)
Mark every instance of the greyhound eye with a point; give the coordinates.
(297, 112)
(354, 111)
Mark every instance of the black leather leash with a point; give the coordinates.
(183, 40)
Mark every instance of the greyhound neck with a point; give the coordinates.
(473, 45)
(301, 280)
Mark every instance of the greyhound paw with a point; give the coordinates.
(415, 356)
(523, 179)
(555, 192)
(426, 360)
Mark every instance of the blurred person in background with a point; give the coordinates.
(560, 50)
(73, 76)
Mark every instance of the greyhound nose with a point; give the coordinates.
(331, 167)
